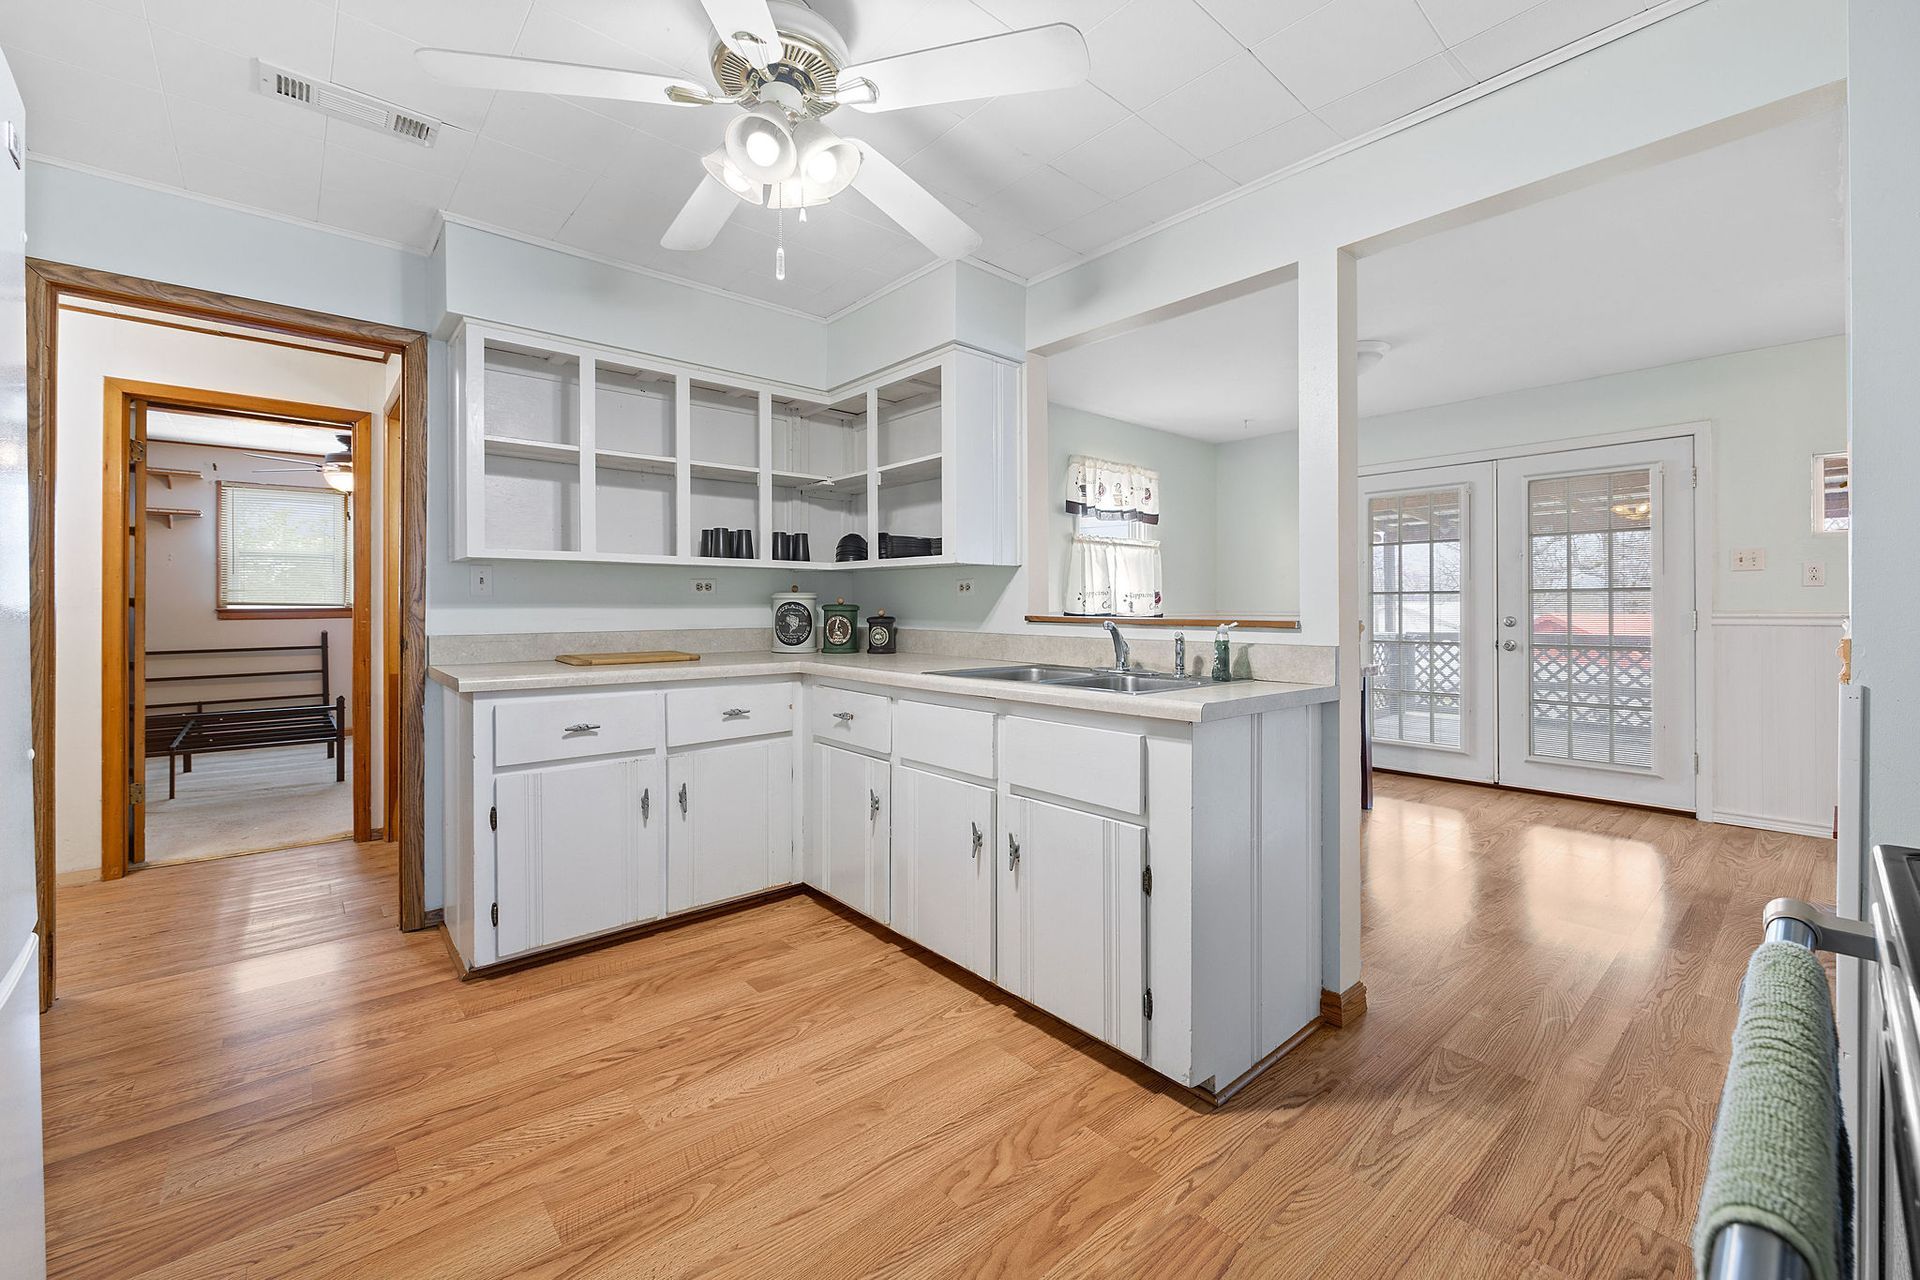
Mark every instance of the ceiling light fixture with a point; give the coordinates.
(760, 144)
(339, 475)
(728, 174)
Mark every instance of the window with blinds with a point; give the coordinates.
(283, 547)
(1832, 493)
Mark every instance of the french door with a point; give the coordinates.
(1532, 622)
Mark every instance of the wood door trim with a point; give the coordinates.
(359, 500)
(46, 283)
(134, 318)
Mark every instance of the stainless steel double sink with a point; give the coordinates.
(1092, 678)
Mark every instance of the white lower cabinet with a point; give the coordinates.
(1072, 918)
(849, 799)
(732, 815)
(943, 847)
(578, 851)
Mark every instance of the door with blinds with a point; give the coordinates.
(1531, 622)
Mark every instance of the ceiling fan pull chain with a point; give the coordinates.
(780, 246)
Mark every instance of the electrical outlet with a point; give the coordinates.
(1749, 559)
(702, 586)
(479, 579)
(1813, 574)
(966, 586)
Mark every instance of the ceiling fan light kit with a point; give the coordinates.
(787, 67)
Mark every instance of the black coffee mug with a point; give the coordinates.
(782, 546)
(746, 543)
(706, 542)
(800, 549)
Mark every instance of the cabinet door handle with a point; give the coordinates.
(582, 727)
(979, 839)
(683, 799)
(873, 805)
(646, 804)
(734, 713)
(844, 717)
(1013, 852)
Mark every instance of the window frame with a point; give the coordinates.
(1820, 493)
(235, 612)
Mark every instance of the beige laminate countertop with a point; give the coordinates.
(901, 671)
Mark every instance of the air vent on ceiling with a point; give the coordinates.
(345, 104)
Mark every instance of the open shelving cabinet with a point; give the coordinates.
(657, 452)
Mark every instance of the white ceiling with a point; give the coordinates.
(1731, 249)
(1188, 99)
(241, 433)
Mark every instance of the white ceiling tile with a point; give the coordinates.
(350, 167)
(295, 194)
(141, 148)
(1419, 85)
(1539, 30)
(1124, 159)
(900, 135)
(556, 129)
(1194, 185)
(82, 95)
(1032, 256)
(1251, 21)
(623, 219)
(852, 286)
(1275, 149)
(1456, 20)
(1347, 46)
(1153, 46)
(297, 34)
(1021, 14)
(376, 61)
(378, 213)
(1227, 105)
(244, 140)
(1044, 199)
(435, 168)
(507, 187)
(1099, 229)
(109, 41)
(663, 35)
(881, 30)
(968, 163)
(1045, 124)
(220, 78)
(486, 26)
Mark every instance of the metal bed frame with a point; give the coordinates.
(188, 727)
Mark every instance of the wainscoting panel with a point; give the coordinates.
(1776, 720)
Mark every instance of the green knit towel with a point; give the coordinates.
(1776, 1145)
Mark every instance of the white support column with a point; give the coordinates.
(1330, 580)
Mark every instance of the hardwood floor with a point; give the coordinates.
(251, 1072)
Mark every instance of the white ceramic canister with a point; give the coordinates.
(795, 625)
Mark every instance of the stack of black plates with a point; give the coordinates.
(854, 547)
(901, 546)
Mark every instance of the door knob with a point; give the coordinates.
(1509, 621)
(1509, 645)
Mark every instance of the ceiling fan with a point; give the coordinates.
(787, 68)
(336, 468)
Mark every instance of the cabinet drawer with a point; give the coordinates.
(528, 730)
(849, 719)
(946, 737)
(728, 711)
(1098, 766)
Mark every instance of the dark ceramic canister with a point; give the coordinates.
(881, 633)
(840, 627)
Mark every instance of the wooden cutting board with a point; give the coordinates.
(626, 659)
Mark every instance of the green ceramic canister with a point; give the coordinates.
(840, 627)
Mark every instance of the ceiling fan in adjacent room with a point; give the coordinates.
(336, 468)
(787, 68)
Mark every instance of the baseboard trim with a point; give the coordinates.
(1758, 822)
(1343, 1008)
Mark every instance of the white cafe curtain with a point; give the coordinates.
(1112, 490)
(1117, 577)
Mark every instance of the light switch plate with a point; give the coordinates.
(1813, 574)
(479, 579)
(1749, 559)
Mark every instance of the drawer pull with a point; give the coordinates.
(979, 838)
(582, 727)
(1013, 852)
(844, 717)
(735, 713)
(683, 799)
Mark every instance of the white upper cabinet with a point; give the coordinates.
(574, 452)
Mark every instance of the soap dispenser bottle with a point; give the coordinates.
(1221, 653)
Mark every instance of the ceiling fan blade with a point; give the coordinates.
(1050, 57)
(701, 218)
(747, 28)
(568, 79)
(912, 205)
(280, 457)
(284, 471)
